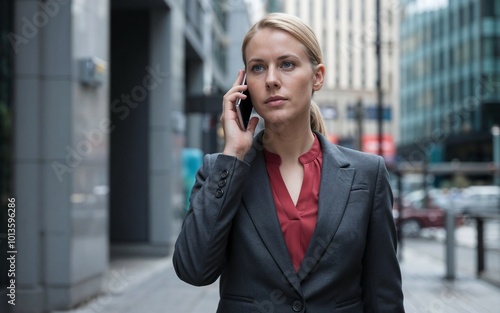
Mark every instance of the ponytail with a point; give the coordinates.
(317, 122)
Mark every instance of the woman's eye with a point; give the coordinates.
(257, 68)
(287, 64)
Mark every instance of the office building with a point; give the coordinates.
(92, 109)
(450, 80)
(346, 31)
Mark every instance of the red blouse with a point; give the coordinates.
(297, 222)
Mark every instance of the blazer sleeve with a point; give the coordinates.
(381, 277)
(200, 249)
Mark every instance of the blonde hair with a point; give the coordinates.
(305, 35)
(317, 122)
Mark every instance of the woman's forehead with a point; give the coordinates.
(271, 42)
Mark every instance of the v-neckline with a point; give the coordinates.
(292, 210)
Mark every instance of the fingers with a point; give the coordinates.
(237, 142)
(236, 92)
(252, 124)
(239, 79)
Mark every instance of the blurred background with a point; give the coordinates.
(107, 106)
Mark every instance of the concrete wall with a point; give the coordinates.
(238, 24)
(166, 127)
(60, 153)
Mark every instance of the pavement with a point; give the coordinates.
(140, 284)
(427, 291)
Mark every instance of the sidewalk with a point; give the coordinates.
(137, 285)
(426, 290)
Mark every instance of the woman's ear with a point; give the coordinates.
(319, 77)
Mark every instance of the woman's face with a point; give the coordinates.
(280, 77)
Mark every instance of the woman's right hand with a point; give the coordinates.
(236, 141)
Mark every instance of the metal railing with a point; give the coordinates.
(482, 271)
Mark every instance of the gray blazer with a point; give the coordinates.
(232, 231)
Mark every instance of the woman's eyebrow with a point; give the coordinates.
(285, 56)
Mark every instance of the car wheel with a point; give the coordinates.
(411, 228)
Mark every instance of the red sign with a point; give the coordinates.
(371, 145)
(333, 138)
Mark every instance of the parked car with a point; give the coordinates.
(480, 200)
(418, 215)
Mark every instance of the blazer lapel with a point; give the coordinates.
(336, 181)
(260, 206)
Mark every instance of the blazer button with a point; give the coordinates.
(224, 174)
(219, 193)
(222, 182)
(297, 306)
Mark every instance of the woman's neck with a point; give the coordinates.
(289, 143)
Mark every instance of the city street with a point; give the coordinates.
(108, 109)
(465, 250)
(150, 285)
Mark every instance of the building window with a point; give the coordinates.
(488, 8)
(218, 6)
(363, 68)
(451, 89)
(462, 16)
(438, 94)
(451, 21)
(442, 26)
(325, 12)
(460, 91)
(350, 10)
(351, 58)
(389, 17)
(337, 10)
(458, 54)
(337, 58)
(311, 15)
(219, 53)
(325, 38)
(488, 47)
(434, 30)
(496, 47)
(363, 12)
(466, 51)
(441, 60)
(472, 11)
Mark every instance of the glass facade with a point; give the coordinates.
(219, 45)
(450, 78)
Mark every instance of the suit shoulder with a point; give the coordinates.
(211, 157)
(356, 157)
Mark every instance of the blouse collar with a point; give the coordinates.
(307, 157)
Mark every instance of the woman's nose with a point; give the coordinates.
(272, 80)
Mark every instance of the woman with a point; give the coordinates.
(287, 220)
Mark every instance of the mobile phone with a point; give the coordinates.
(244, 108)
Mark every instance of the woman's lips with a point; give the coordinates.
(275, 101)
